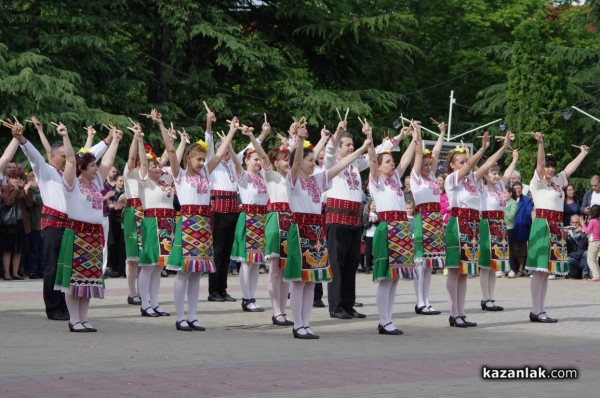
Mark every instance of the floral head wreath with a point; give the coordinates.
(427, 153)
(83, 151)
(308, 145)
(203, 145)
(284, 148)
(249, 151)
(461, 149)
(150, 153)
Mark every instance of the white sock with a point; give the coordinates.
(179, 290)
(307, 302)
(391, 300)
(296, 299)
(73, 307)
(193, 292)
(275, 276)
(484, 281)
(381, 298)
(155, 286)
(245, 280)
(131, 269)
(253, 281)
(144, 283)
(426, 286)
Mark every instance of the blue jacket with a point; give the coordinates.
(523, 218)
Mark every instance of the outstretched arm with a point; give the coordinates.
(70, 172)
(437, 149)
(223, 148)
(511, 167)
(572, 166)
(109, 157)
(407, 157)
(168, 140)
(473, 160)
(346, 161)
(43, 139)
(481, 171)
(264, 159)
(91, 132)
(10, 150)
(541, 156)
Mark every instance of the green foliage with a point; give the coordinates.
(90, 62)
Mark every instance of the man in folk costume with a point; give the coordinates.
(343, 220)
(225, 208)
(54, 214)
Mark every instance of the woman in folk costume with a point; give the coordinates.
(392, 242)
(192, 252)
(79, 271)
(493, 235)
(278, 224)
(133, 214)
(430, 248)
(249, 241)
(158, 224)
(464, 188)
(547, 244)
(307, 261)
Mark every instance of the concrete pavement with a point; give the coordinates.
(243, 354)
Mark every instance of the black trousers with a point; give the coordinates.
(54, 300)
(343, 245)
(318, 291)
(116, 247)
(223, 235)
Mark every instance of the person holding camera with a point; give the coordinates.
(577, 247)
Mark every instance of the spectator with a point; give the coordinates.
(510, 211)
(35, 263)
(577, 245)
(593, 231)
(15, 224)
(444, 205)
(572, 203)
(116, 237)
(408, 196)
(592, 196)
(522, 227)
(516, 177)
(370, 222)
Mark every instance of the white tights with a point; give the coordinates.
(385, 297)
(456, 286)
(186, 282)
(78, 309)
(132, 270)
(539, 286)
(149, 283)
(249, 281)
(422, 283)
(278, 289)
(487, 279)
(301, 300)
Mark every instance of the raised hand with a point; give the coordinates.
(61, 129)
(342, 126)
(325, 133)
(36, 123)
(539, 137)
(156, 116)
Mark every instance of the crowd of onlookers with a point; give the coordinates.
(22, 253)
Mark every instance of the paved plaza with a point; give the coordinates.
(243, 355)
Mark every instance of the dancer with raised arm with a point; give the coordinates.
(462, 247)
(192, 253)
(547, 244)
(54, 213)
(430, 248)
(494, 252)
(157, 227)
(79, 270)
(393, 248)
(307, 244)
